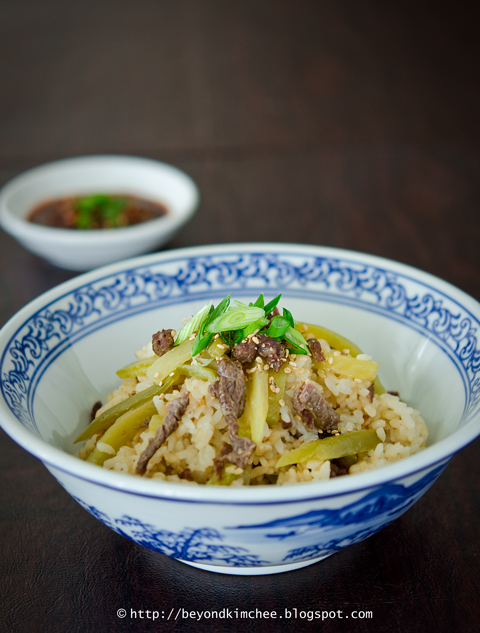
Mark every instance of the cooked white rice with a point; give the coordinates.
(203, 430)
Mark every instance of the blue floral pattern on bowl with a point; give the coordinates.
(311, 535)
(48, 332)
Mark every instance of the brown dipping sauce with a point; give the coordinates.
(96, 212)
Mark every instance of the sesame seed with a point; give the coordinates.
(161, 396)
(345, 352)
(258, 360)
(277, 390)
(160, 383)
(156, 374)
(304, 327)
(288, 370)
(292, 363)
(191, 337)
(172, 373)
(336, 353)
(281, 402)
(255, 340)
(357, 379)
(216, 336)
(250, 371)
(273, 388)
(222, 346)
(267, 367)
(330, 360)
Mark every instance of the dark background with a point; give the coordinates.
(350, 124)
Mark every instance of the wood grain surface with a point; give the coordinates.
(320, 122)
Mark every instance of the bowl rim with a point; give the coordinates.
(20, 227)
(57, 459)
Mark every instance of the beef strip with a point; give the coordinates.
(337, 470)
(311, 405)
(272, 351)
(186, 474)
(175, 410)
(230, 391)
(371, 392)
(244, 352)
(95, 408)
(162, 342)
(317, 352)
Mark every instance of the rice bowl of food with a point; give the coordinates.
(245, 408)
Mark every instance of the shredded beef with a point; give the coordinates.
(317, 352)
(162, 342)
(186, 474)
(311, 405)
(394, 393)
(244, 352)
(175, 410)
(371, 392)
(272, 351)
(337, 470)
(94, 410)
(230, 391)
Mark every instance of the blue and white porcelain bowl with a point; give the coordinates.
(60, 354)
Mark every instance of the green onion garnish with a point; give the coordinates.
(296, 339)
(253, 327)
(193, 325)
(203, 340)
(235, 319)
(278, 326)
(240, 321)
(271, 305)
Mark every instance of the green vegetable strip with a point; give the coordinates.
(122, 431)
(350, 367)
(226, 480)
(155, 422)
(193, 325)
(274, 407)
(108, 417)
(235, 319)
(338, 342)
(167, 363)
(331, 447)
(197, 371)
(256, 405)
(216, 349)
(137, 368)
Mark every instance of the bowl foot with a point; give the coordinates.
(254, 571)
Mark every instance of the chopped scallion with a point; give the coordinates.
(235, 319)
(194, 324)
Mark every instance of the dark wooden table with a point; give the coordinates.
(338, 123)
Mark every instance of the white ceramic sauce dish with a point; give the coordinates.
(83, 250)
(60, 354)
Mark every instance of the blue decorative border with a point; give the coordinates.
(302, 537)
(59, 324)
